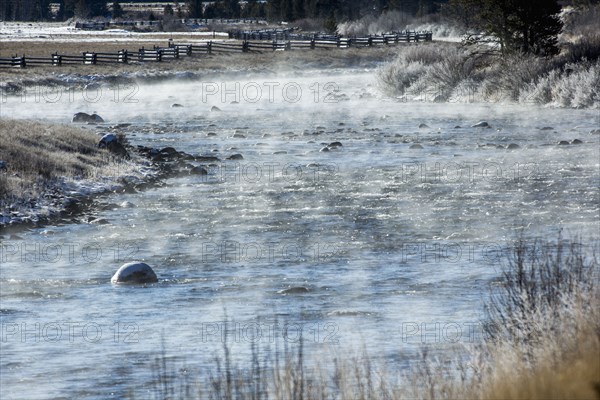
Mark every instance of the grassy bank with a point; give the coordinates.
(542, 341)
(47, 167)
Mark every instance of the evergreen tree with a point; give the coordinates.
(117, 10)
(529, 27)
(97, 7)
(195, 9)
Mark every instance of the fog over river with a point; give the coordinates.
(386, 242)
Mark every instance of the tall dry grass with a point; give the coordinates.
(542, 342)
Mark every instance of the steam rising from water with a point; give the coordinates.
(382, 236)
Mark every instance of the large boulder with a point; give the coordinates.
(134, 273)
(106, 139)
(87, 118)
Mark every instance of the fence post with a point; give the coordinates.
(288, 45)
(245, 46)
(141, 54)
(188, 50)
(159, 53)
(22, 63)
(122, 56)
(56, 59)
(312, 44)
(274, 44)
(370, 41)
(176, 52)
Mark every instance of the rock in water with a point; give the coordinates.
(176, 105)
(423, 126)
(513, 146)
(198, 171)
(294, 290)
(415, 146)
(134, 273)
(86, 118)
(215, 109)
(481, 124)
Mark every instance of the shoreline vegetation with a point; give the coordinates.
(541, 341)
(480, 70)
(50, 171)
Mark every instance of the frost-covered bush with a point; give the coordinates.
(433, 70)
(370, 25)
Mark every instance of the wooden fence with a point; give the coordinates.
(174, 51)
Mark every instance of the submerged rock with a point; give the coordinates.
(576, 141)
(2, 165)
(134, 273)
(334, 145)
(198, 171)
(563, 143)
(294, 290)
(423, 126)
(235, 157)
(415, 146)
(176, 105)
(325, 149)
(481, 124)
(215, 109)
(513, 146)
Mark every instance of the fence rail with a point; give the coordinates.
(250, 43)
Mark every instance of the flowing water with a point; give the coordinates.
(381, 246)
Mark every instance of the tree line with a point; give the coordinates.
(274, 10)
(525, 26)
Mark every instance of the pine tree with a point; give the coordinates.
(528, 27)
(117, 10)
(195, 9)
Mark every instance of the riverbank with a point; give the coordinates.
(52, 172)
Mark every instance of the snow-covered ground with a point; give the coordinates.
(63, 31)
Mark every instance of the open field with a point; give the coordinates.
(267, 62)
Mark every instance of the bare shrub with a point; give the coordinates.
(506, 78)
(584, 48)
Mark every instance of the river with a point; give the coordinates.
(384, 245)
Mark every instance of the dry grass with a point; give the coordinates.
(38, 155)
(299, 60)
